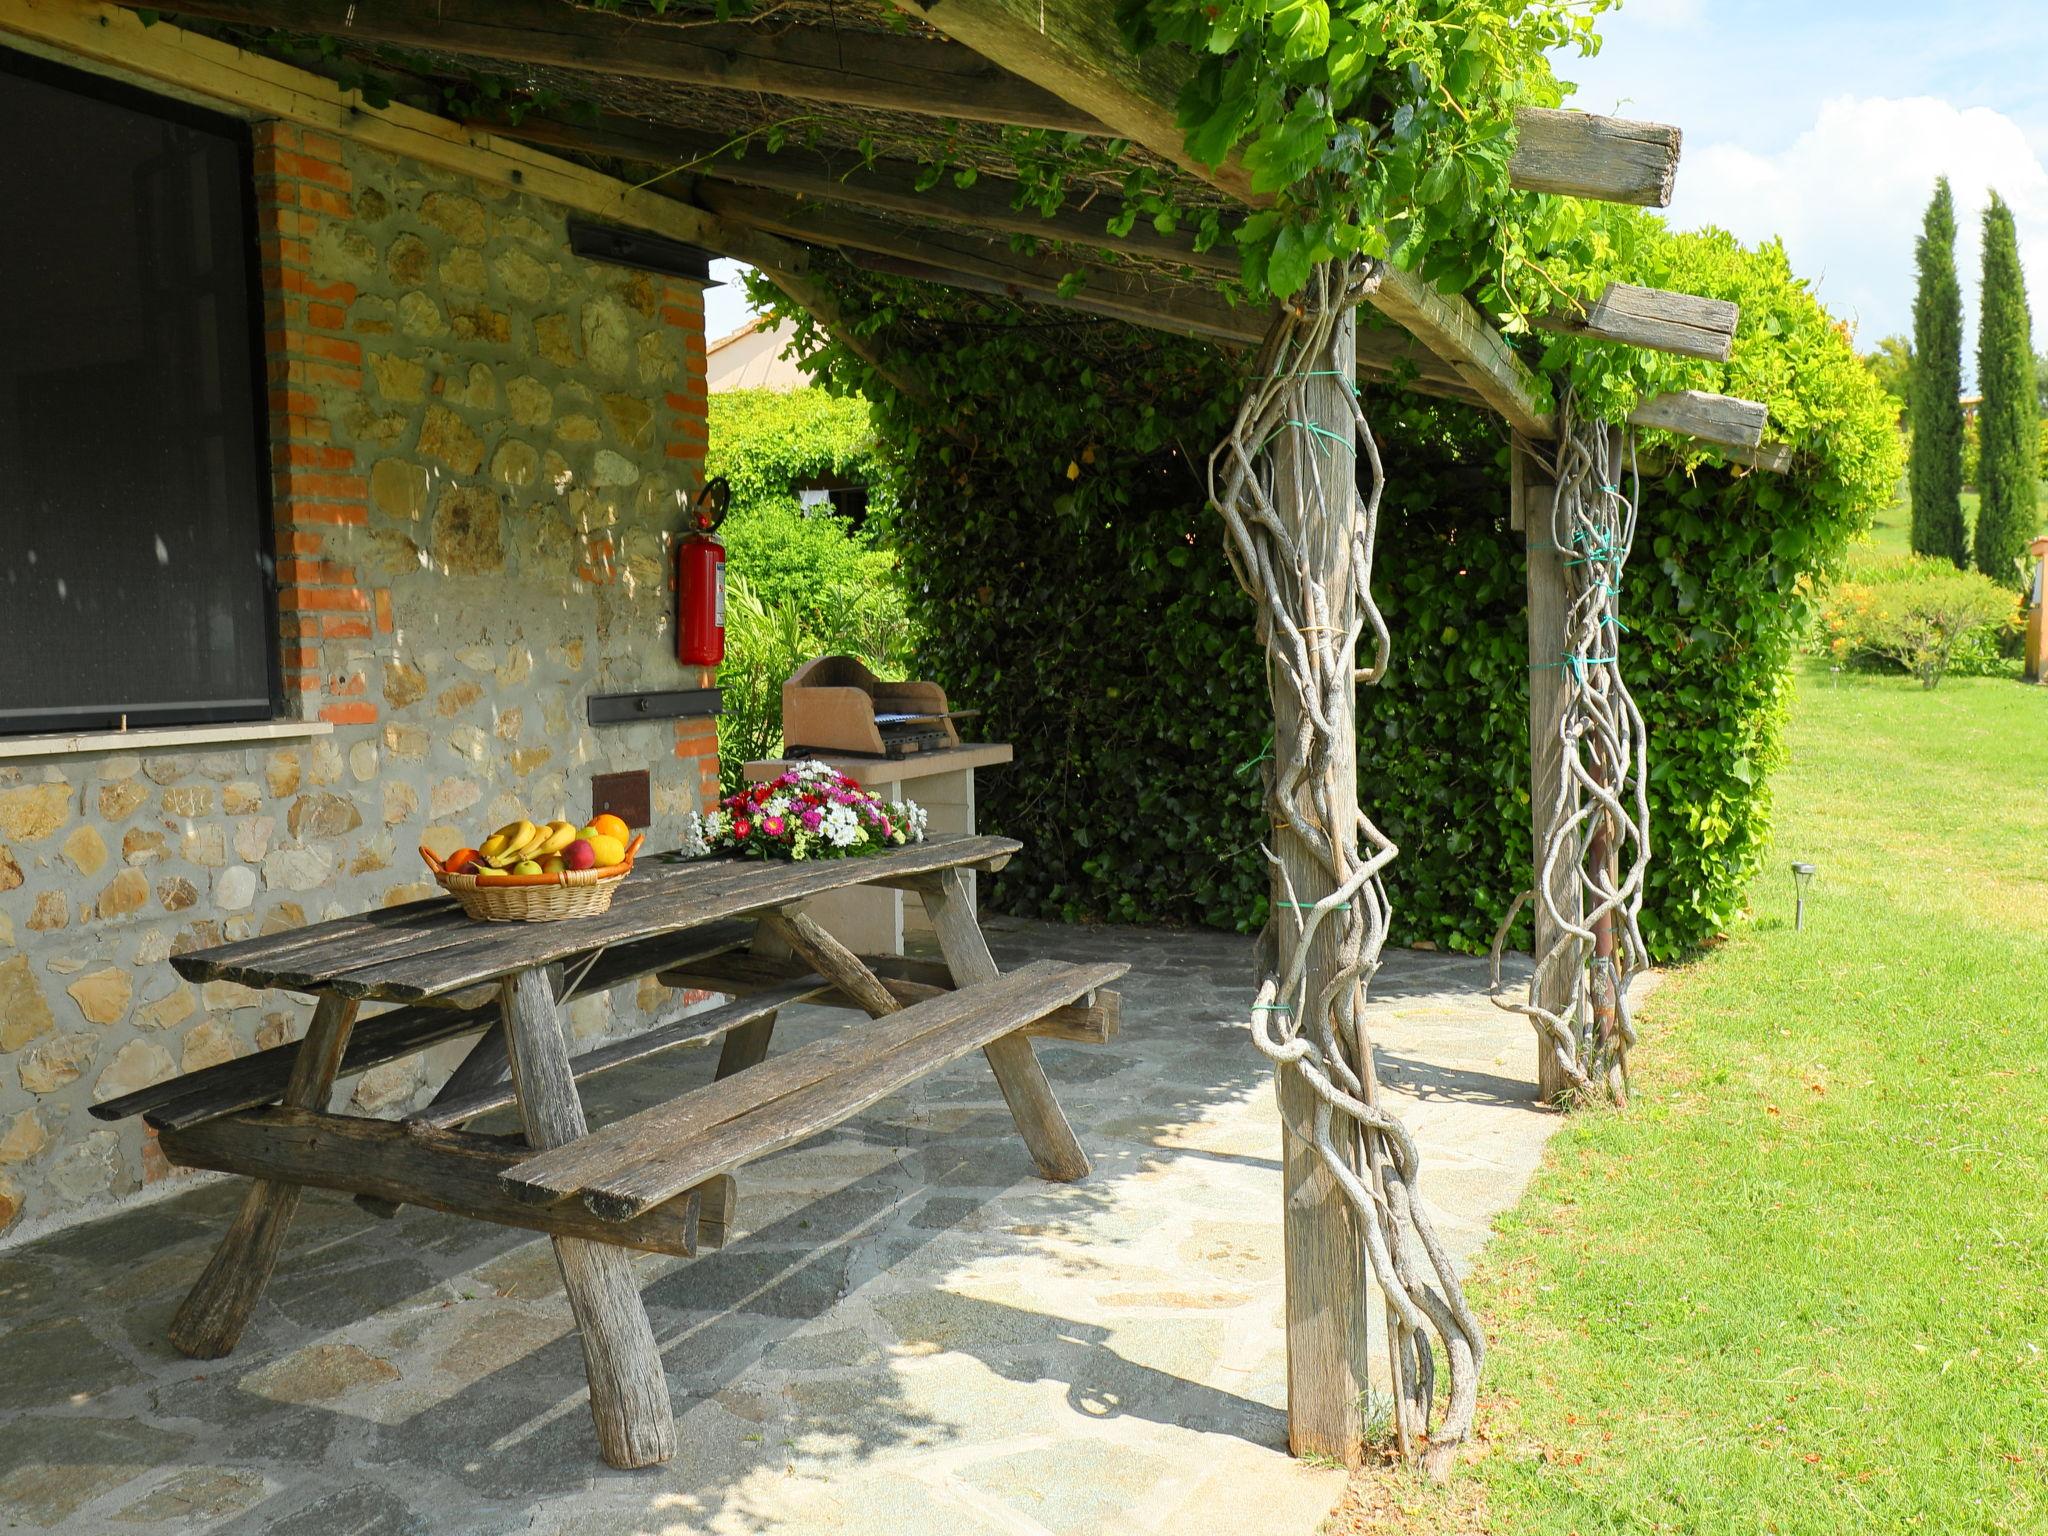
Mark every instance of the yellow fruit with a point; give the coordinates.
(527, 867)
(609, 850)
(511, 839)
(552, 864)
(587, 833)
(531, 847)
(560, 835)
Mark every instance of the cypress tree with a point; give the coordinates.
(1934, 389)
(2008, 422)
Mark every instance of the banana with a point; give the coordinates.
(539, 835)
(560, 835)
(511, 839)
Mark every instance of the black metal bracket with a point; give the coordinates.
(680, 704)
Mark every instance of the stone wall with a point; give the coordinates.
(481, 444)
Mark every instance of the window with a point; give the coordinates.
(135, 574)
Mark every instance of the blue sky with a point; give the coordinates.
(1824, 122)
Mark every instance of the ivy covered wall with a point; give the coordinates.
(1071, 581)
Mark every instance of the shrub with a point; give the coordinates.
(769, 637)
(1922, 616)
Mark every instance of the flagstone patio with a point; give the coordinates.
(912, 1335)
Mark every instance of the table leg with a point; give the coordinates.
(1040, 1120)
(210, 1320)
(747, 1046)
(628, 1393)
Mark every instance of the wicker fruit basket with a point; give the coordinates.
(499, 898)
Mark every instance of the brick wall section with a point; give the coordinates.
(316, 485)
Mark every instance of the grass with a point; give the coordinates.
(1802, 1286)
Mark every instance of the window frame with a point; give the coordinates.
(240, 131)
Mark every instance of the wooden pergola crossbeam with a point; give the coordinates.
(1680, 323)
(887, 186)
(1582, 154)
(1722, 420)
(839, 66)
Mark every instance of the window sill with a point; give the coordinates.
(162, 738)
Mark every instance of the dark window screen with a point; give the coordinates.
(134, 566)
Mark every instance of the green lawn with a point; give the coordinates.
(1802, 1286)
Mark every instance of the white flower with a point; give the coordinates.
(840, 827)
(713, 825)
(696, 842)
(778, 806)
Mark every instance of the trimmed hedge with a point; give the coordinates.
(1071, 581)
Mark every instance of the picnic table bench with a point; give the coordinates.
(658, 1181)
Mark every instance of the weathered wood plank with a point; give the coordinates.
(261, 1078)
(628, 1394)
(210, 1320)
(1680, 323)
(1582, 154)
(1322, 1244)
(1532, 490)
(843, 66)
(653, 900)
(443, 1170)
(1088, 1022)
(1073, 49)
(832, 960)
(563, 1172)
(114, 38)
(1719, 419)
(747, 1046)
(1452, 329)
(1040, 1120)
(888, 186)
(689, 1030)
(978, 1016)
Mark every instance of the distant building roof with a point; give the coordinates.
(751, 358)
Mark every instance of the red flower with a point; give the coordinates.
(742, 827)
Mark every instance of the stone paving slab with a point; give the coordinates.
(914, 1334)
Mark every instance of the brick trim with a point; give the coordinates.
(317, 487)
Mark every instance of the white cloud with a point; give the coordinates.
(1848, 193)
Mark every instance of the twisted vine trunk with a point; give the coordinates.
(1594, 848)
(1300, 537)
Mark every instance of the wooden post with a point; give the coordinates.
(628, 1393)
(210, 1320)
(1532, 490)
(1325, 1255)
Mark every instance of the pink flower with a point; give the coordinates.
(772, 825)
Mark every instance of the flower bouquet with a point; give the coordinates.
(809, 812)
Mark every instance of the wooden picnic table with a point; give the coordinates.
(659, 1180)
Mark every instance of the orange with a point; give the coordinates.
(461, 861)
(612, 826)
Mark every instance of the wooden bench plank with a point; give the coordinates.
(565, 1171)
(690, 1029)
(258, 1079)
(454, 1171)
(1091, 1021)
(651, 903)
(963, 1022)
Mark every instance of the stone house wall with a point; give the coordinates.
(481, 444)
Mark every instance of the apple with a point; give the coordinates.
(526, 867)
(553, 864)
(580, 855)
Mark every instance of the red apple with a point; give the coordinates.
(579, 854)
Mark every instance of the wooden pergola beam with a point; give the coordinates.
(1582, 154)
(1723, 420)
(1455, 332)
(1680, 323)
(843, 67)
(971, 261)
(888, 186)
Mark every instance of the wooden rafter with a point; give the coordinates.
(1680, 323)
(840, 66)
(1582, 154)
(972, 261)
(888, 186)
(1723, 420)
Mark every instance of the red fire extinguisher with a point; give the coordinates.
(700, 580)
